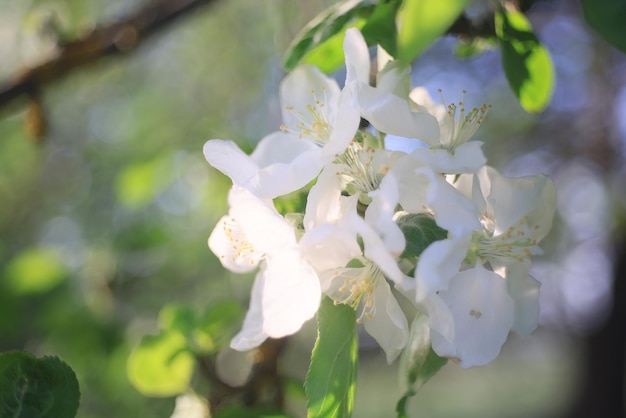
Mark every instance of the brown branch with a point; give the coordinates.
(264, 386)
(117, 38)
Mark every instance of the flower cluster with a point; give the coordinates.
(435, 227)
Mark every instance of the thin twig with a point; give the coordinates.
(117, 38)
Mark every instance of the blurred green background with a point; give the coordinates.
(106, 220)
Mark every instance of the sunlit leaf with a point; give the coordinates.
(178, 317)
(421, 22)
(474, 47)
(320, 41)
(608, 18)
(37, 388)
(138, 184)
(35, 270)
(418, 362)
(217, 326)
(380, 27)
(331, 381)
(527, 64)
(161, 365)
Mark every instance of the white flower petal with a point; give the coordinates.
(438, 263)
(525, 292)
(467, 158)
(228, 243)
(325, 204)
(395, 78)
(388, 325)
(379, 214)
(375, 250)
(483, 315)
(291, 294)
(510, 200)
(301, 88)
(357, 57)
(262, 225)
(228, 158)
(391, 114)
(252, 334)
(453, 212)
(328, 246)
(345, 123)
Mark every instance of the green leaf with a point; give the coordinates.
(380, 27)
(331, 381)
(161, 365)
(35, 270)
(607, 17)
(421, 22)
(218, 325)
(138, 184)
(178, 317)
(420, 230)
(37, 388)
(238, 411)
(474, 47)
(320, 41)
(418, 362)
(527, 64)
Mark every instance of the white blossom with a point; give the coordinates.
(475, 286)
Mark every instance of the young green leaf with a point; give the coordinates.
(418, 362)
(420, 230)
(527, 64)
(161, 365)
(321, 40)
(421, 22)
(607, 17)
(38, 388)
(178, 317)
(35, 270)
(381, 26)
(331, 381)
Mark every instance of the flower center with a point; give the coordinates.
(242, 250)
(360, 173)
(516, 243)
(313, 123)
(358, 287)
(461, 126)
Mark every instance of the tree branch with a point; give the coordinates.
(117, 38)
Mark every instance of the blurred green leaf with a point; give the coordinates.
(418, 362)
(527, 64)
(178, 317)
(381, 26)
(238, 411)
(331, 381)
(320, 42)
(161, 365)
(218, 325)
(421, 22)
(139, 183)
(474, 47)
(607, 17)
(35, 270)
(420, 230)
(37, 388)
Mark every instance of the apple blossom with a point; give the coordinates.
(475, 286)
(286, 290)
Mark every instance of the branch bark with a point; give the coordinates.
(114, 39)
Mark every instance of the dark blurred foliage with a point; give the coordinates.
(105, 221)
